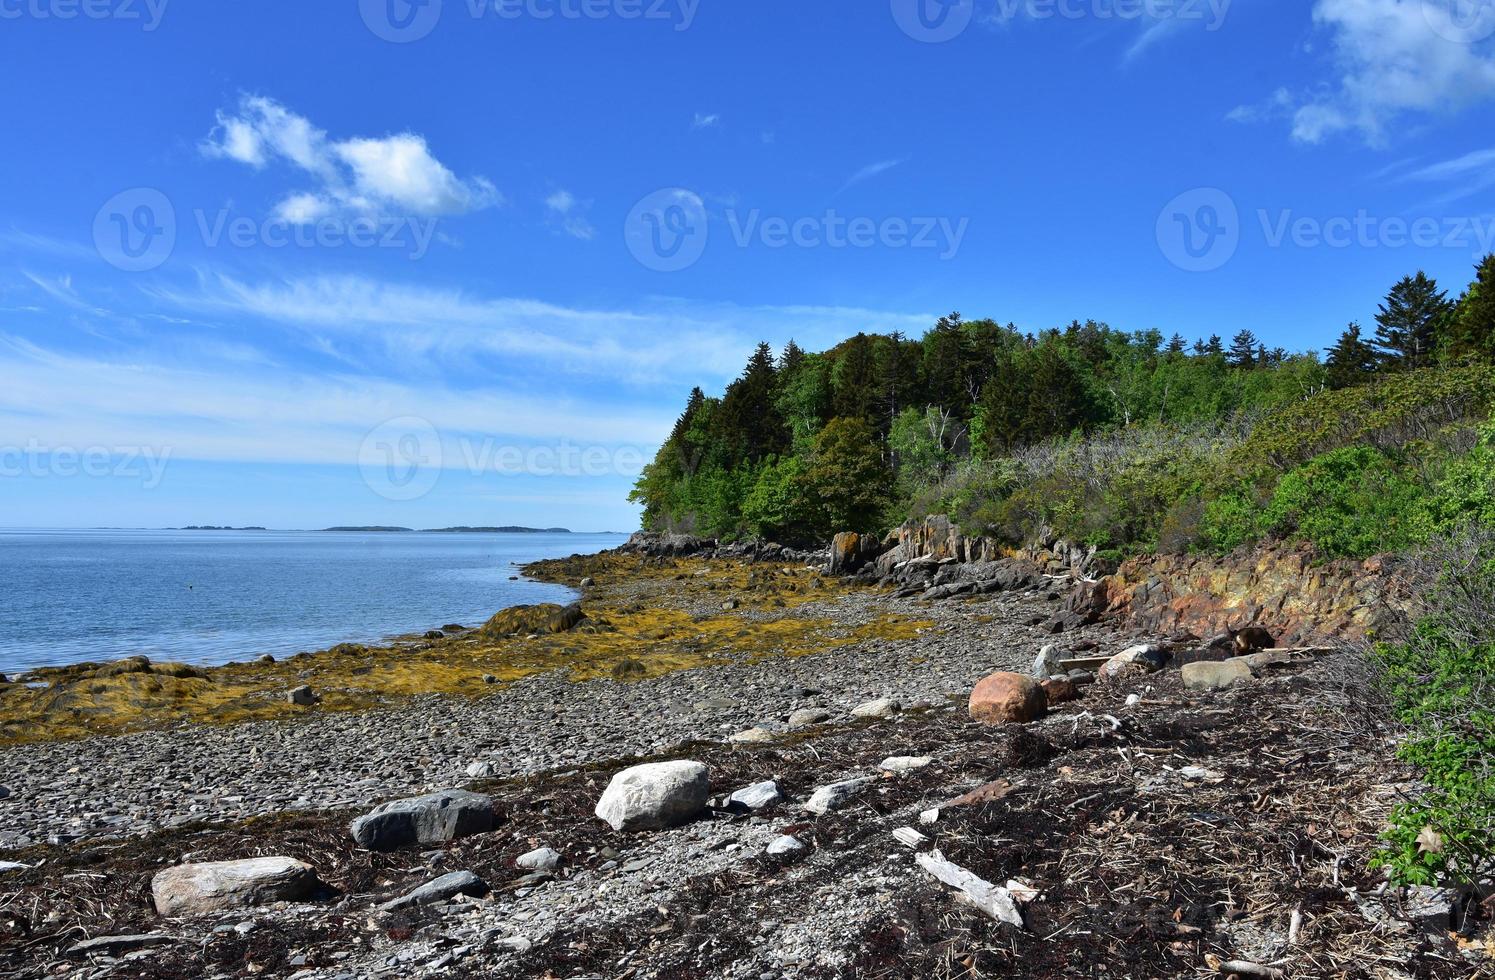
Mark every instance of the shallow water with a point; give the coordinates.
(212, 596)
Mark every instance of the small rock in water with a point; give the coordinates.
(655, 796)
(540, 859)
(881, 708)
(784, 845)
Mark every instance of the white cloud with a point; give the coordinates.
(872, 170)
(706, 120)
(361, 175)
(567, 213)
(664, 340)
(1392, 59)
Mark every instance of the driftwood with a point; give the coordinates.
(994, 900)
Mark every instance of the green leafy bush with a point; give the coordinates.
(1441, 683)
(1350, 503)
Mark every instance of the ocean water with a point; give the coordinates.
(208, 597)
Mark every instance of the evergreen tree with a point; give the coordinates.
(1472, 327)
(854, 380)
(1409, 322)
(749, 425)
(791, 359)
(846, 477)
(1351, 360)
(1243, 350)
(1214, 347)
(944, 362)
(1177, 344)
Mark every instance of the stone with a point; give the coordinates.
(730, 605)
(1007, 698)
(479, 770)
(588, 582)
(303, 696)
(805, 717)
(904, 763)
(910, 838)
(755, 797)
(1058, 690)
(981, 795)
(836, 795)
(432, 819)
(434, 635)
(540, 859)
(655, 796)
(1133, 662)
(198, 889)
(753, 736)
(780, 846)
(114, 945)
(1210, 676)
(440, 890)
(880, 708)
(846, 553)
(1048, 663)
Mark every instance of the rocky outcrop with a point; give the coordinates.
(659, 544)
(542, 619)
(850, 551)
(1286, 589)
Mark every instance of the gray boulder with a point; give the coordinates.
(197, 889)
(432, 819)
(837, 795)
(805, 717)
(1048, 663)
(780, 846)
(755, 797)
(881, 708)
(1210, 676)
(114, 945)
(443, 888)
(655, 796)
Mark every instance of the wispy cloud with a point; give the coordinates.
(569, 214)
(360, 175)
(706, 120)
(872, 170)
(1389, 59)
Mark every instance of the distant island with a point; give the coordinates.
(454, 530)
(210, 527)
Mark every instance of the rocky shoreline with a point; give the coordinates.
(89, 824)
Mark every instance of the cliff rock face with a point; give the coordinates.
(1283, 588)
(938, 538)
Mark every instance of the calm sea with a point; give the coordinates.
(209, 596)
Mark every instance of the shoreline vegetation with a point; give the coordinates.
(707, 614)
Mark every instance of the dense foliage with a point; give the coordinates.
(1127, 441)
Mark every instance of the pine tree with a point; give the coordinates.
(1176, 344)
(1214, 347)
(855, 380)
(1243, 350)
(1409, 322)
(750, 426)
(1351, 360)
(791, 359)
(1472, 327)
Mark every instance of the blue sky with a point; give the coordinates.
(357, 261)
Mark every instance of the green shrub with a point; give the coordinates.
(1441, 682)
(1350, 503)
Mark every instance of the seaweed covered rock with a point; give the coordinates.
(543, 619)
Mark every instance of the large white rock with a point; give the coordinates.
(1048, 663)
(197, 889)
(836, 795)
(655, 796)
(881, 708)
